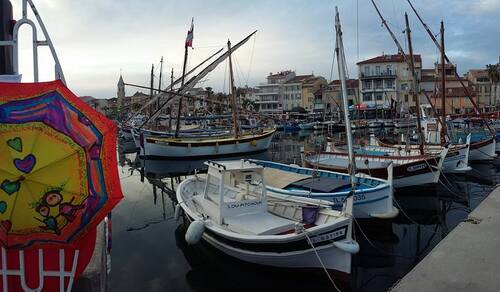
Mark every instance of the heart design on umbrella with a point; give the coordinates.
(10, 187)
(26, 164)
(3, 207)
(16, 144)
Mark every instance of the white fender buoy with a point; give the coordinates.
(177, 212)
(195, 231)
(351, 246)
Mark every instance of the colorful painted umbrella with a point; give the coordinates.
(58, 168)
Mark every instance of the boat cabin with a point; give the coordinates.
(235, 196)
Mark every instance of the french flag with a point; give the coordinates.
(189, 38)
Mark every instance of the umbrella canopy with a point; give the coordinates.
(58, 176)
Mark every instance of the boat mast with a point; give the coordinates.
(400, 48)
(179, 110)
(186, 45)
(170, 108)
(159, 82)
(339, 51)
(443, 87)
(431, 35)
(409, 62)
(233, 93)
(171, 86)
(195, 79)
(415, 86)
(151, 93)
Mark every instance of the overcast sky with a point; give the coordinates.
(98, 39)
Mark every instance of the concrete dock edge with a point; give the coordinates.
(468, 259)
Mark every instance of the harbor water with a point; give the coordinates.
(149, 252)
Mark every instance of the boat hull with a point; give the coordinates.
(284, 254)
(424, 171)
(456, 160)
(374, 202)
(180, 149)
(483, 150)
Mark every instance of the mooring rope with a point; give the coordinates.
(321, 262)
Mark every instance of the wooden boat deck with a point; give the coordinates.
(280, 179)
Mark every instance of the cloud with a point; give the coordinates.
(96, 40)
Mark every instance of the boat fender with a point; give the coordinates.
(195, 231)
(177, 212)
(351, 246)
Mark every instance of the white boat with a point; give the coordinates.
(307, 126)
(372, 199)
(405, 123)
(375, 124)
(483, 150)
(407, 170)
(482, 144)
(456, 160)
(231, 209)
(322, 125)
(388, 123)
(358, 124)
(195, 133)
(198, 148)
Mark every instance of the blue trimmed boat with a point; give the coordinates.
(372, 197)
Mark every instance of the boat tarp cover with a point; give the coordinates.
(280, 179)
(320, 184)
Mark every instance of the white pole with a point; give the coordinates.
(339, 50)
(341, 67)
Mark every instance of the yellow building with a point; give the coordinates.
(309, 87)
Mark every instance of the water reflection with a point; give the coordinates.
(150, 253)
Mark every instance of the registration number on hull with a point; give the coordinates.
(329, 236)
(416, 167)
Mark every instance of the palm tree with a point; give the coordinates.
(248, 104)
(209, 92)
(494, 75)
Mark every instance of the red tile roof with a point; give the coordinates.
(389, 59)
(351, 83)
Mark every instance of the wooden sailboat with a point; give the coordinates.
(456, 160)
(233, 210)
(408, 170)
(209, 147)
(482, 147)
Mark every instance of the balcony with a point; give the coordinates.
(381, 89)
(382, 74)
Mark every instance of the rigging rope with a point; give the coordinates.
(321, 262)
(251, 59)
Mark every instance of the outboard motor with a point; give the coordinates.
(6, 27)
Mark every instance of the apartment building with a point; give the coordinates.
(311, 98)
(332, 95)
(385, 78)
(292, 92)
(270, 94)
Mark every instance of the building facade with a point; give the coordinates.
(293, 92)
(270, 94)
(457, 100)
(483, 88)
(312, 99)
(332, 95)
(385, 78)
